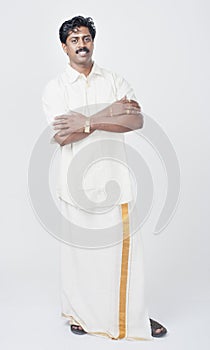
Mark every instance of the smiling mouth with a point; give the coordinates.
(82, 52)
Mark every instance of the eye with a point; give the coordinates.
(73, 41)
(87, 39)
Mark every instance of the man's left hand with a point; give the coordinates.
(69, 123)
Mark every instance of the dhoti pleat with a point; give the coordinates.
(102, 290)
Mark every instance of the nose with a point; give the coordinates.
(80, 43)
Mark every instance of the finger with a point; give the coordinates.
(60, 128)
(129, 106)
(60, 122)
(133, 103)
(126, 100)
(123, 99)
(133, 111)
(61, 117)
(59, 125)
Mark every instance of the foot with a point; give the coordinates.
(77, 329)
(157, 329)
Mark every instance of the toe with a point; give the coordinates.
(159, 330)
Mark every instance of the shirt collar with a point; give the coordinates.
(73, 74)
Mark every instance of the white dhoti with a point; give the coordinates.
(102, 290)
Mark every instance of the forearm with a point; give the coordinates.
(121, 116)
(105, 120)
(73, 137)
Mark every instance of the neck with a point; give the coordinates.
(83, 69)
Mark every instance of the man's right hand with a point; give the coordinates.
(125, 106)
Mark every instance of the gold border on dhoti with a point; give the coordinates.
(124, 272)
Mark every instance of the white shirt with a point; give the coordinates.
(91, 166)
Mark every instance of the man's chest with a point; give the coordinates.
(85, 93)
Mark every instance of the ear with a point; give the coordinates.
(64, 47)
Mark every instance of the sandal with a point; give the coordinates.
(77, 329)
(155, 325)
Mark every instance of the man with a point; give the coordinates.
(101, 289)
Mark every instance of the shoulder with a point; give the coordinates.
(110, 74)
(117, 79)
(120, 85)
(54, 88)
(54, 84)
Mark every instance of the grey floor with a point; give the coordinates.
(30, 305)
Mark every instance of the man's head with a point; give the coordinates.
(77, 37)
(74, 23)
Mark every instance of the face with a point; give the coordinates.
(79, 46)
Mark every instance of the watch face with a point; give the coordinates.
(87, 128)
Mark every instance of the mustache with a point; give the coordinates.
(85, 49)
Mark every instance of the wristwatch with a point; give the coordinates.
(87, 126)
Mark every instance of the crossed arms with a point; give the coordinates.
(121, 116)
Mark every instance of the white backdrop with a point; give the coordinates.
(162, 49)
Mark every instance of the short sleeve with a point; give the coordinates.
(53, 102)
(123, 88)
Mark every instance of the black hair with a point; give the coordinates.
(75, 22)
